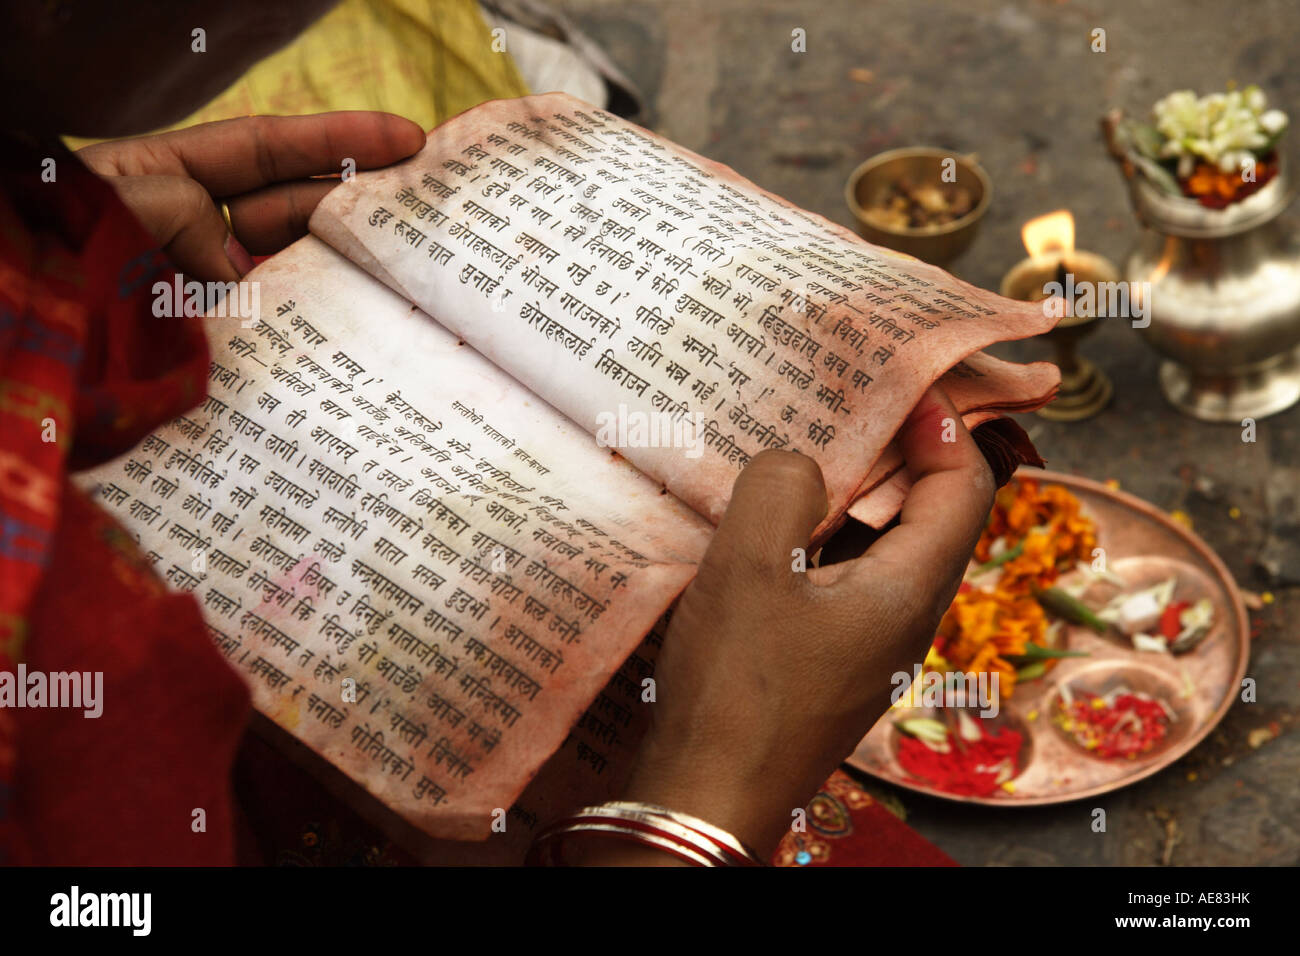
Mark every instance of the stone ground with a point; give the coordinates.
(1018, 84)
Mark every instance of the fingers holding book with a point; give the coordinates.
(771, 672)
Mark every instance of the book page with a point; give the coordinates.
(981, 388)
(425, 573)
(590, 767)
(614, 272)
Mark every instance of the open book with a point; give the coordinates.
(393, 506)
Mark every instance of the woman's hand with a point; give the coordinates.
(262, 166)
(769, 677)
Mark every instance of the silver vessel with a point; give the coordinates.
(1224, 300)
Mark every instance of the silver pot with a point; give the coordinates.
(1224, 300)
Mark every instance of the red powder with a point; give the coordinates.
(969, 768)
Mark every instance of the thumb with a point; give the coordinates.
(183, 218)
(926, 553)
(777, 502)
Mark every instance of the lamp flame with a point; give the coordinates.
(1050, 234)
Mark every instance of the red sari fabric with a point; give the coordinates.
(86, 371)
(846, 826)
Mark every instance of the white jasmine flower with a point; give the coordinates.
(1220, 128)
(1235, 160)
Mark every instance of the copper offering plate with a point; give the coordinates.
(1144, 546)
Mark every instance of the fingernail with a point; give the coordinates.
(238, 255)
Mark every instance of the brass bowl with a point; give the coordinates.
(937, 245)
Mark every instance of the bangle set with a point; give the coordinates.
(681, 835)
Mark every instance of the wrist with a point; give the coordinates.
(586, 849)
(755, 805)
(634, 833)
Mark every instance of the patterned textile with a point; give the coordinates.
(86, 371)
(846, 826)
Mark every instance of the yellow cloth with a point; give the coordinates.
(427, 60)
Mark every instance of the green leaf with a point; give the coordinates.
(1162, 178)
(1065, 605)
(923, 727)
(1036, 652)
(1147, 140)
(1031, 671)
(1008, 555)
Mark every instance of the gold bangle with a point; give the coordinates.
(665, 825)
(686, 837)
(716, 834)
(547, 852)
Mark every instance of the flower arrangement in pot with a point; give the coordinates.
(1216, 149)
(1216, 268)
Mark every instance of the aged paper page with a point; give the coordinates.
(591, 766)
(981, 388)
(424, 572)
(608, 269)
